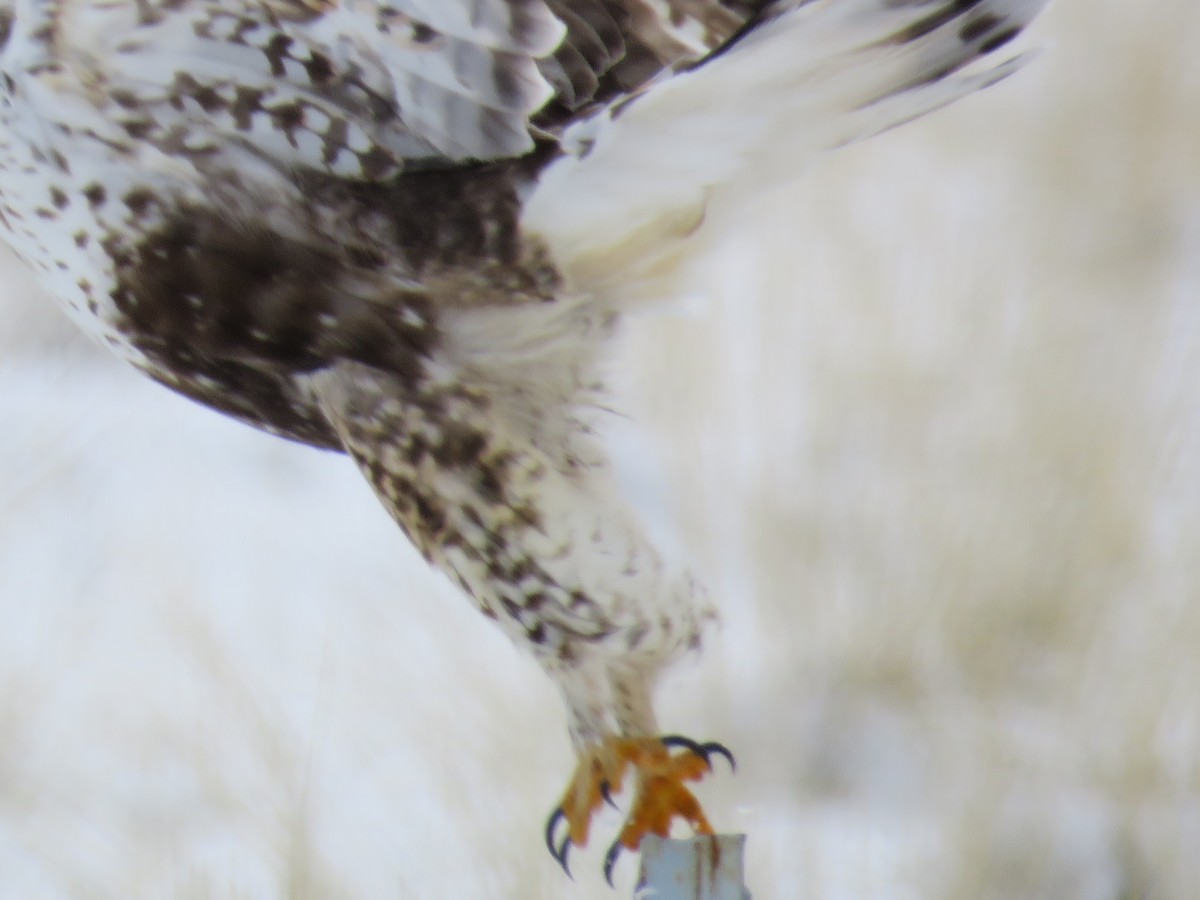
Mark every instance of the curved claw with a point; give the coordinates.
(704, 751)
(721, 750)
(605, 793)
(562, 856)
(551, 826)
(678, 740)
(560, 852)
(610, 860)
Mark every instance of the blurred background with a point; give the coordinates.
(935, 439)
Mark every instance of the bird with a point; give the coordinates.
(408, 230)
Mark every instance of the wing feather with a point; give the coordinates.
(814, 75)
(367, 88)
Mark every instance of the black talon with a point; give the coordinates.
(678, 740)
(720, 750)
(704, 751)
(604, 792)
(560, 852)
(562, 856)
(551, 826)
(610, 860)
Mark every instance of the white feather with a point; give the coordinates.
(820, 75)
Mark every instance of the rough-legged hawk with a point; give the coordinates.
(404, 229)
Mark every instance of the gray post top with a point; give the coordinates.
(705, 867)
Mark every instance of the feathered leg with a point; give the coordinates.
(517, 507)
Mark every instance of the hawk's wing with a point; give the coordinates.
(811, 75)
(365, 88)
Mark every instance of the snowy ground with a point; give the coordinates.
(937, 442)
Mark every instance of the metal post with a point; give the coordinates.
(706, 867)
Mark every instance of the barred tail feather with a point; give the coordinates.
(815, 75)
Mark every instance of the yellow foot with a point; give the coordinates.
(660, 795)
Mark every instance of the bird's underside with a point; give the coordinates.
(406, 231)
